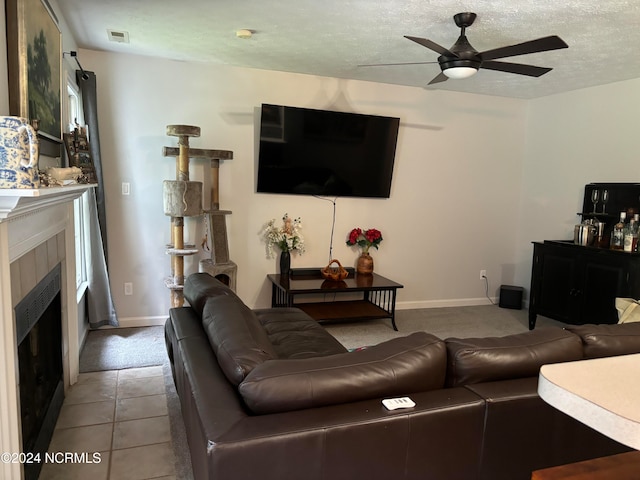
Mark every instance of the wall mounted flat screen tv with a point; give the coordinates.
(317, 152)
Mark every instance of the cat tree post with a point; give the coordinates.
(215, 183)
(182, 198)
(219, 265)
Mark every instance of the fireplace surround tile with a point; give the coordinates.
(29, 269)
(28, 277)
(42, 261)
(16, 291)
(52, 252)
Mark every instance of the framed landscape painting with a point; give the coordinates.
(35, 61)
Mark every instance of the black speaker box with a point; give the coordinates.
(511, 297)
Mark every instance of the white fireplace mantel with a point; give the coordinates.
(17, 202)
(29, 217)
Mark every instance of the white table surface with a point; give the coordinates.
(603, 393)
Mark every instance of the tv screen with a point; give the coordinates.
(317, 152)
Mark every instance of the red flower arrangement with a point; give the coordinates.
(364, 238)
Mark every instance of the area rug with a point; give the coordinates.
(120, 348)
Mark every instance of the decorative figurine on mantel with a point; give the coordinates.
(79, 154)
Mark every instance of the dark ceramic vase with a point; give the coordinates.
(285, 262)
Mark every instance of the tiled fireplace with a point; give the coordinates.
(36, 241)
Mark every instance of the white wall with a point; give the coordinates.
(456, 181)
(575, 138)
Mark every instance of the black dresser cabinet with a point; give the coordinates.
(579, 284)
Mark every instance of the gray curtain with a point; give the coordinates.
(90, 107)
(100, 308)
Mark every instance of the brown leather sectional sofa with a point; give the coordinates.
(269, 394)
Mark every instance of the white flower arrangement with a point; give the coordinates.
(286, 237)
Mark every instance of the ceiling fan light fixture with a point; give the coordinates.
(460, 72)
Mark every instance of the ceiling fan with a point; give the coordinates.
(463, 61)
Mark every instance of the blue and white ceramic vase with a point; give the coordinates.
(18, 154)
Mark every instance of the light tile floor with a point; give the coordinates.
(122, 416)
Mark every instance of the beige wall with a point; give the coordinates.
(477, 178)
(584, 136)
(456, 181)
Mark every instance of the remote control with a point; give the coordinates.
(395, 403)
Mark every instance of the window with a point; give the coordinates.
(74, 117)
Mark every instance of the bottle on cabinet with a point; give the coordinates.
(617, 235)
(631, 235)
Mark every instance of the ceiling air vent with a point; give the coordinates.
(118, 36)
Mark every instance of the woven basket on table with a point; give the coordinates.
(333, 272)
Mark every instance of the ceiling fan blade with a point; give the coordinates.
(431, 45)
(519, 68)
(544, 44)
(441, 77)
(391, 64)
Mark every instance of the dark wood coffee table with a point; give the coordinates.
(358, 297)
(624, 466)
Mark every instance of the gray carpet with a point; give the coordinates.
(462, 322)
(122, 348)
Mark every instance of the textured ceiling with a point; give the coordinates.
(332, 37)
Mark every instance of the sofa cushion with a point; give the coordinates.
(400, 366)
(198, 287)
(236, 336)
(608, 340)
(294, 334)
(475, 360)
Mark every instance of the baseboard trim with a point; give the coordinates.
(129, 322)
(453, 302)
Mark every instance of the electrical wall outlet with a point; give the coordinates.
(128, 288)
(483, 274)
